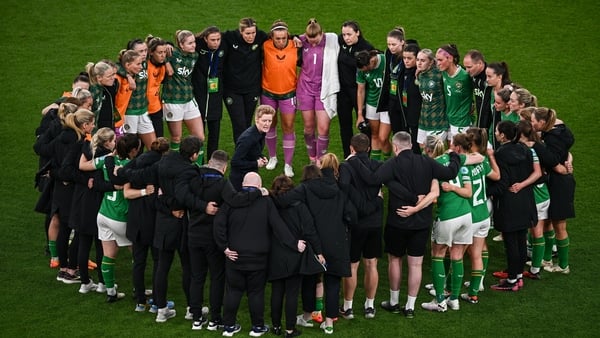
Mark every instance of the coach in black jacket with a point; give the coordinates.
(244, 235)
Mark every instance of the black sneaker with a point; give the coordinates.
(68, 278)
(229, 331)
(258, 331)
(347, 314)
(276, 330)
(408, 313)
(389, 307)
(215, 325)
(294, 333)
(370, 313)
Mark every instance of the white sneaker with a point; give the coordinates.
(557, 268)
(100, 288)
(272, 163)
(300, 321)
(288, 170)
(429, 286)
(446, 293)
(164, 314)
(85, 288)
(453, 304)
(481, 287)
(188, 314)
(205, 311)
(498, 238)
(435, 306)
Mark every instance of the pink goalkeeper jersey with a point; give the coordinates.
(309, 82)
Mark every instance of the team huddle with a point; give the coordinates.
(461, 149)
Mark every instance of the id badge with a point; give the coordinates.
(393, 87)
(213, 84)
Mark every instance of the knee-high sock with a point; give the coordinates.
(537, 251)
(476, 277)
(52, 249)
(550, 241)
(108, 271)
(200, 159)
(562, 245)
(458, 272)
(438, 274)
(271, 141)
(174, 146)
(376, 154)
(289, 144)
(322, 145)
(311, 147)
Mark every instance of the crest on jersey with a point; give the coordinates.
(254, 47)
(221, 53)
(431, 83)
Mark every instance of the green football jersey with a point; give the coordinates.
(540, 191)
(373, 81)
(449, 204)
(138, 102)
(433, 107)
(114, 204)
(478, 173)
(178, 88)
(458, 90)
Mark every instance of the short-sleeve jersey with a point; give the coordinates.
(449, 204)
(540, 191)
(512, 116)
(178, 88)
(478, 173)
(310, 80)
(433, 106)
(458, 90)
(373, 81)
(114, 205)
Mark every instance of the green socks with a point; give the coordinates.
(52, 248)
(438, 274)
(108, 271)
(476, 277)
(458, 271)
(319, 305)
(537, 251)
(377, 155)
(562, 245)
(174, 146)
(550, 241)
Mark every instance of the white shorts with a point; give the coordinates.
(138, 124)
(373, 114)
(174, 112)
(456, 130)
(422, 135)
(542, 210)
(111, 230)
(453, 231)
(481, 228)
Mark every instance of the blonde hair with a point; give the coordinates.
(76, 120)
(313, 28)
(100, 138)
(263, 109)
(329, 160)
(435, 145)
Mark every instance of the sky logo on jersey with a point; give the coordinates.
(184, 71)
(143, 75)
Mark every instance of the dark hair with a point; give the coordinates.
(281, 184)
(126, 143)
(525, 128)
(452, 50)
(412, 48)
(219, 155)
(133, 42)
(189, 146)
(208, 31)
(160, 145)
(504, 94)
(310, 172)
(475, 55)
(509, 129)
(152, 42)
(363, 58)
(82, 77)
(479, 138)
(360, 142)
(501, 69)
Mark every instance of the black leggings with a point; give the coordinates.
(157, 123)
(331, 287)
(212, 140)
(67, 253)
(241, 110)
(288, 288)
(140, 256)
(203, 259)
(515, 245)
(161, 279)
(346, 105)
(309, 299)
(85, 245)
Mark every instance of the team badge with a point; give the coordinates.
(431, 84)
(170, 115)
(228, 101)
(126, 127)
(254, 47)
(221, 53)
(234, 46)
